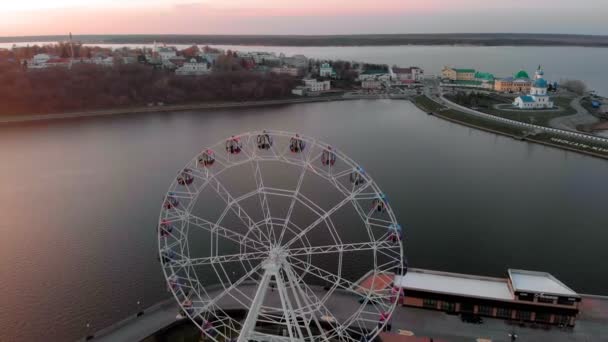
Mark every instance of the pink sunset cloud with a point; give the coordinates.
(273, 16)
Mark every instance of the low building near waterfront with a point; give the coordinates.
(407, 75)
(525, 296)
(538, 97)
(312, 87)
(372, 84)
(376, 74)
(458, 74)
(519, 83)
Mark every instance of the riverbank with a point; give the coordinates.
(171, 108)
(579, 145)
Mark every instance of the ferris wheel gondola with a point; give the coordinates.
(328, 157)
(234, 145)
(296, 144)
(264, 141)
(207, 158)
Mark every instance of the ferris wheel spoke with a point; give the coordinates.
(349, 247)
(236, 208)
(293, 200)
(224, 259)
(338, 281)
(210, 302)
(326, 215)
(224, 232)
(263, 199)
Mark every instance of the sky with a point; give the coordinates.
(58, 17)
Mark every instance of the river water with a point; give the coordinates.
(560, 63)
(80, 201)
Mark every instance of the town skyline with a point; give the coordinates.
(312, 17)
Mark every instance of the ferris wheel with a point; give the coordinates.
(276, 236)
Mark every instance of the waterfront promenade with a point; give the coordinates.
(592, 325)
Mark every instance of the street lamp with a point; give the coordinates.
(139, 312)
(89, 335)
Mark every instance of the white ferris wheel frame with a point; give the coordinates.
(264, 255)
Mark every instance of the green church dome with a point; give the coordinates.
(522, 74)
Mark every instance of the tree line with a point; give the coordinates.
(92, 87)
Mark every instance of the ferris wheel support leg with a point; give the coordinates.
(288, 310)
(254, 310)
(296, 288)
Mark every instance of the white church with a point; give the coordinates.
(538, 98)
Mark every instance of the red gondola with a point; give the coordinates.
(328, 158)
(165, 228)
(297, 145)
(171, 202)
(234, 145)
(185, 177)
(207, 158)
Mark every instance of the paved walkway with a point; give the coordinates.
(591, 326)
(569, 123)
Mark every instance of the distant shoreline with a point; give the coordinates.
(175, 108)
(459, 39)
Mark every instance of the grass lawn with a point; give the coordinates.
(541, 118)
(429, 105)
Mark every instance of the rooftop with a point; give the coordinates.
(459, 70)
(527, 98)
(522, 74)
(539, 282)
(454, 283)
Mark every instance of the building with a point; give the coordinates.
(165, 53)
(485, 79)
(538, 97)
(315, 86)
(326, 70)
(298, 61)
(372, 83)
(525, 296)
(194, 66)
(456, 74)
(311, 87)
(407, 75)
(376, 74)
(265, 58)
(519, 83)
(286, 70)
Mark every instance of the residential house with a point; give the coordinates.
(376, 74)
(285, 70)
(193, 66)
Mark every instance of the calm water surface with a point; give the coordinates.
(80, 200)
